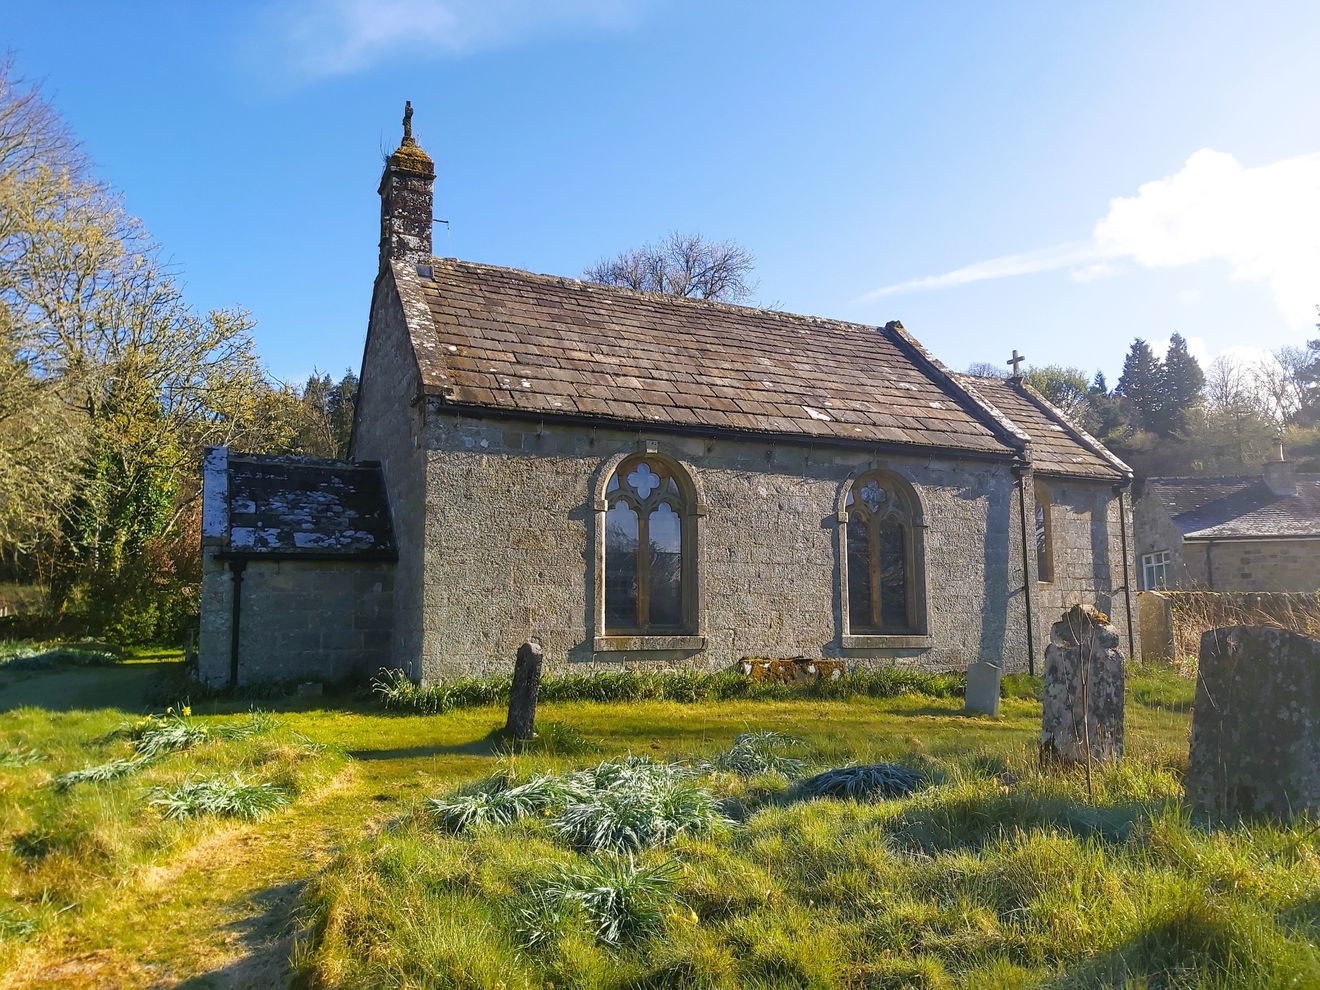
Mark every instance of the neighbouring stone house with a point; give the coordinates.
(641, 479)
(1253, 533)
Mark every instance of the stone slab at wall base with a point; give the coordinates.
(983, 688)
(789, 671)
(1082, 700)
(1256, 726)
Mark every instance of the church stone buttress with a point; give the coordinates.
(406, 201)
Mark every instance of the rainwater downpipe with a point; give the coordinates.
(1020, 472)
(236, 568)
(1127, 576)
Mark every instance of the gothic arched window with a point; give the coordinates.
(648, 559)
(883, 569)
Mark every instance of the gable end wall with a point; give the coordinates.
(389, 428)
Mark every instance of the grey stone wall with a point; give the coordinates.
(298, 619)
(511, 551)
(1258, 565)
(1088, 556)
(1153, 531)
(388, 427)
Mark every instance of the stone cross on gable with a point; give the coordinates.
(1015, 360)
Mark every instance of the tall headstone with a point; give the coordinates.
(526, 688)
(1256, 726)
(982, 697)
(1082, 698)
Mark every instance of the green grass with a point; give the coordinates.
(991, 875)
(997, 876)
(94, 799)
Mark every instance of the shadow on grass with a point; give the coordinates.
(266, 939)
(488, 745)
(76, 688)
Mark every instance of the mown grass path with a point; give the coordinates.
(218, 913)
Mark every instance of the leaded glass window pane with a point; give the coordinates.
(882, 585)
(621, 567)
(859, 573)
(666, 567)
(893, 574)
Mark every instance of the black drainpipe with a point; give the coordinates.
(1127, 582)
(1209, 565)
(1020, 472)
(236, 568)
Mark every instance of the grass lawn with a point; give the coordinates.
(994, 876)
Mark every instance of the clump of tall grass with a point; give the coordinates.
(620, 900)
(229, 796)
(863, 783)
(635, 804)
(155, 736)
(11, 758)
(99, 773)
(495, 801)
(394, 691)
(755, 753)
(623, 805)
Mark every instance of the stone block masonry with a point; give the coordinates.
(314, 620)
(511, 549)
(1256, 726)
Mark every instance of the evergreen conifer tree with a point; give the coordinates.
(1181, 382)
(1140, 384)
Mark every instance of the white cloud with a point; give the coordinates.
(1028, 263)
(320, 38)
(1262, 222)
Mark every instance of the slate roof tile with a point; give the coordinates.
(1055, 448)
(1223, 508)
(630, 356)
(306, 506)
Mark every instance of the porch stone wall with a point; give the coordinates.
(311, 620)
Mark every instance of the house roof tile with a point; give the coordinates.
(1224, 508)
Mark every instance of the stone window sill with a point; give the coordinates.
(887, 642)
(639, 644)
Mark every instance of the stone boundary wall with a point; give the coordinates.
(1172, 622)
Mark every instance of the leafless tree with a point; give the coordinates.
(681, 265)
(986, 369)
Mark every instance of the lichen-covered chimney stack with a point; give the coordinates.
(406, 200)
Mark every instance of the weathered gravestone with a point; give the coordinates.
(522, 697)
(1083, 693)
(1256, 726)
(982, 695)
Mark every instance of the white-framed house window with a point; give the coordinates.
(1155, 570)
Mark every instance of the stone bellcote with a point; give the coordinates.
(406, 201)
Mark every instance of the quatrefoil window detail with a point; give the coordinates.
(874, 496)
(643, 480)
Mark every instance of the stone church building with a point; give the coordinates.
(631, 478)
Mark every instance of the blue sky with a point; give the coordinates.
(1056, 178)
